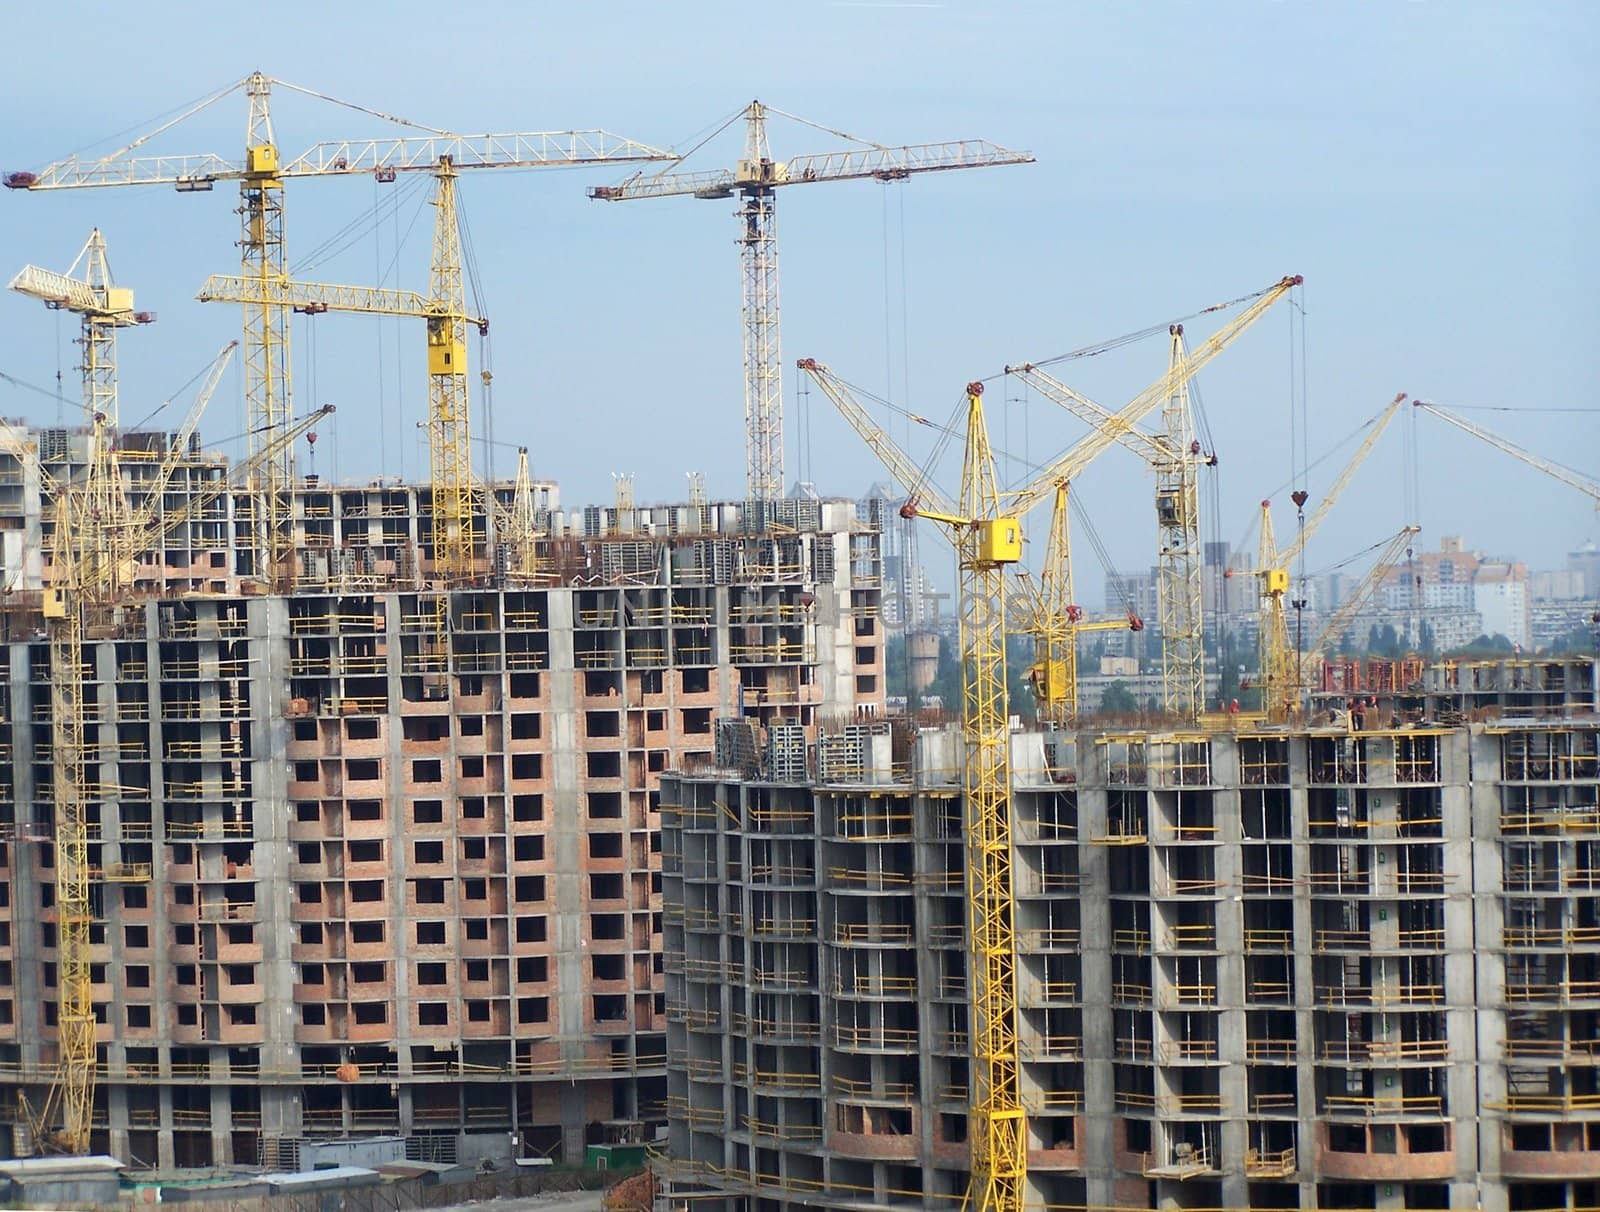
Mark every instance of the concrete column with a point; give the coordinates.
(566, 816)
(269, 774)
(1099, 1038)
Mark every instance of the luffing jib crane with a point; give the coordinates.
(755, 178)
(261, 174)
(1276, 665)
(1174, 456)
(986, 530)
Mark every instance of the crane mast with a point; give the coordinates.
(987, 540)
(449, 439)
(1055, 621)
(1178, 520)
(758, 256)
(267, 393)
(986, 543)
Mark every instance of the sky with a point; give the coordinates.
(1428, 167)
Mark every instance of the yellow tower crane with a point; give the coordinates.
(261, 174)
(1174, 455)
(1588, 485)
(102, 308)
(986, 529)
(87, 568)
(1276, 664)
(1055, 620)
(443, 308)
(755, 179)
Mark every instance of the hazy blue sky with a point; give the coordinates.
(1429, 167)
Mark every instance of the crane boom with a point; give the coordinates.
(755, 179)
(877, 163)
(1275, 661)
(1335, 490)
(71, 294)
(1356, 602)
(900, 465)
(1069, 464)
(516, 149)
(1572, 479)
(314, 297)
(1148, 447)
(144, 516)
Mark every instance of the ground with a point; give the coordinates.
(553, 1201)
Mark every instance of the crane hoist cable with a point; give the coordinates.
(365, 223)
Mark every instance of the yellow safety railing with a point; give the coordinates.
(1551, 1049)
(1271, 1049)
(1126, 991)
(1421, 1104)
(869, 985)
(1188, 1050)
(1191, 1104)
(1057, 1102)
(873, 1037)
(1257, 941)
(1552, 991)
(861, 932)
(1198, 936)
(779, 1079)
(865, 1089)
(1189, 995)
(1273, 1102)
(1259, 1163)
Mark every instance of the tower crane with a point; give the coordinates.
(1276, 662)
(755, 178)
(1174, 455)
(1587, 485)
(84, 579)
(102, 308)
(522, 529)
(261, 174)
(1055, 621)
(986, 530)
(443, 309)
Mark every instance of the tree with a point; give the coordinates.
(1118, 699)
(1429, 641)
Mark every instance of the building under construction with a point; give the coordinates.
(1349, 962)
(361, 865)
